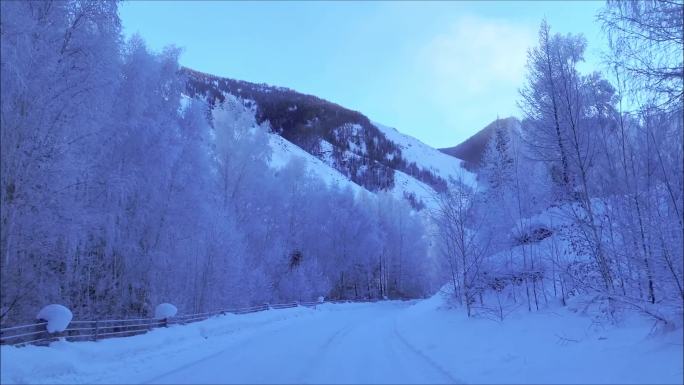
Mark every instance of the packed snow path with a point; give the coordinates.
(357, 344)
(384, 342)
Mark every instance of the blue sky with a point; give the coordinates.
(439, 71)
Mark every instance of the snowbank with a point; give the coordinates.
(551, 346)
(57, 317)
(139, 358)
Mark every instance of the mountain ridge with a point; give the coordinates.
(472, 149)
(368, 153)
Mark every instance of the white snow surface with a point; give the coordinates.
(185, 102)
(284, 151)
(57, 317)
(383, 342)
(413, 150)
(165, 310)
(406, 183)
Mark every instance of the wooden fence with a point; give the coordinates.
(37, 334)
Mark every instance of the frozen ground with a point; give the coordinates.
(385, 342)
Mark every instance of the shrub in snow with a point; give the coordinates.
(321, 299)
(57, 317)
(165, 310)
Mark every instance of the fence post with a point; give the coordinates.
(43, 334)
(166, 322)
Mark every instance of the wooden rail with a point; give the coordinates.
(78, 330)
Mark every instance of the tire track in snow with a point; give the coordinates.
(322, 350)
(238, 344)
(423, 356)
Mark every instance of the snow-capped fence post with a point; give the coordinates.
(164, 311)
(58, 318)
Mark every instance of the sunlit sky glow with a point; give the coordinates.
(439, 71)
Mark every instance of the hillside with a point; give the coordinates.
(373, 156)
(471, 150)
(432, 162)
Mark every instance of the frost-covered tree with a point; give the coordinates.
(646, 46)
(60, 67)
(464, 240)
(558, 125)
(118, 192)
(497, 161)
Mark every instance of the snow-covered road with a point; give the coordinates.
(343, 343)
(355, 343)
(383, 342)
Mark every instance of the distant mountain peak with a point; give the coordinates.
(472, 149)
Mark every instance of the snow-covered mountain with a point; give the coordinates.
(284, 151)
(337, 144)
(471, 150)
(428, 159)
